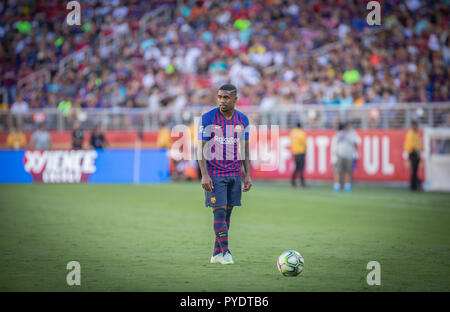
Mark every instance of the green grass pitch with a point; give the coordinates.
(160, 238)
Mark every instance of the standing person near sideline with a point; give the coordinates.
(98, 139)
(164, 140)
(413, 146)
(223, 137)
(16, 139)
(77, 136)
(344, 149)
(298, 149)
(40, 139)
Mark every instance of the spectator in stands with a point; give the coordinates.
(412, 147)
(40, 139)
(20, 106)
(16, 139)
(98, 139)
(315, 51)
(77, 136)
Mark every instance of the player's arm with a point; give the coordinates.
(246, 165)
(207, 183)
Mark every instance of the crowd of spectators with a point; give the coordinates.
(277, 52)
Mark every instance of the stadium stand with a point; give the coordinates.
(166, 56)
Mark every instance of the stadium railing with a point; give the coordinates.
(368, 116)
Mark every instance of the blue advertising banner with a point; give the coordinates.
(85, 166)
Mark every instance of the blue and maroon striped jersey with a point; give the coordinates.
(224, 138)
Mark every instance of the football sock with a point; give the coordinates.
(221, 231)
(217, 249)
(228, 217)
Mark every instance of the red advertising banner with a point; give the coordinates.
(380, 157)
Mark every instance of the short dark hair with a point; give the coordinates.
(228, 87)
(299, 124)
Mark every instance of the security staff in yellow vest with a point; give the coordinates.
(413, 146)
(164, 139)
(298, 149)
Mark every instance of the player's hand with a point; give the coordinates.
(247, 183)
(207, 183)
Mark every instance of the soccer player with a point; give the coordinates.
(298, 149)
(223, 152)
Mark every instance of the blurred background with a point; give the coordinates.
(134, 69)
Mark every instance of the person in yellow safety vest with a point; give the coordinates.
(298, 149)
(16, 139)
(164, 139)
(412, 147)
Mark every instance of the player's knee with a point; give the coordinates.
(219, 208)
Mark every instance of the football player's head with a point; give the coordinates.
(227, 97)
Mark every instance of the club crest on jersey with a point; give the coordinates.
(239, 128)
(213, 200)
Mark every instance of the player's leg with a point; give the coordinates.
(228, 210)
(227, 258)
(419, 181)
(296, 171)
(233, 199)
(301, 169)
(217, 199)
(412, 176)
(348, 175)
(221, 234)
(231, 184)
(337, 176)
(414, 169)
(220, 230)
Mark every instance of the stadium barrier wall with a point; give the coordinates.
(85, 166)
(380, 157)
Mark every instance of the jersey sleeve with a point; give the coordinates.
(246, 127)
(204, 128)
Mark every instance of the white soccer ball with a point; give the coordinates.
(290, 263)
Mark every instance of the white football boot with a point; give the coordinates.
(227, 259)
(217, 258)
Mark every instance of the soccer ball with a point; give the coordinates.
(290, 263)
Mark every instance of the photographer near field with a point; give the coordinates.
(344, 151)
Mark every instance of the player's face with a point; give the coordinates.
(226, 100)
